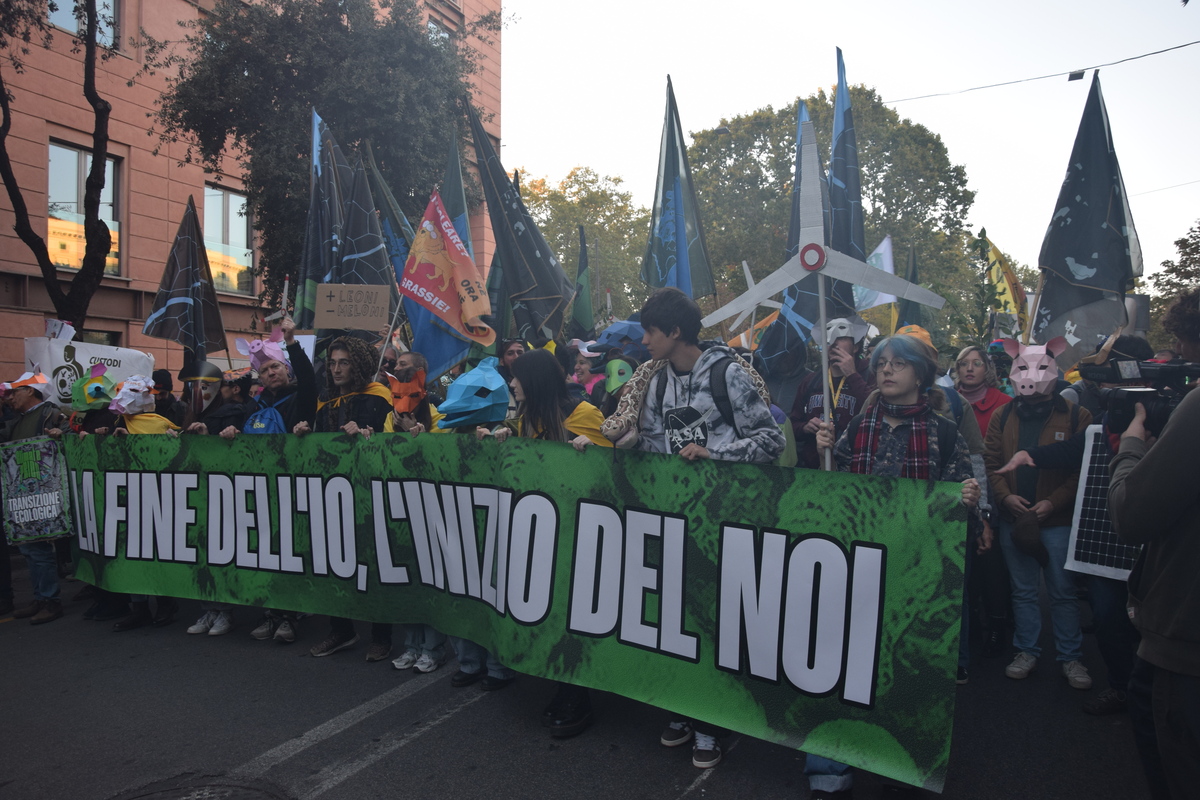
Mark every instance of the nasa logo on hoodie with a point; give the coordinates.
(685, 426)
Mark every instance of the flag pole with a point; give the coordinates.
(1037, 300)
(827, 464)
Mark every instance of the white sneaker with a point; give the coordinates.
(406, 659)
(205, 623)
(427, 664)
(1021, 666)
(1077, 675)
(222, 625)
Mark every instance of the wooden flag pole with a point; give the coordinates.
(1037, 301)
(827, 463)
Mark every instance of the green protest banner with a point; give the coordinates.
(34, 490)
(816, 610)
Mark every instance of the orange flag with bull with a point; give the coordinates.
(441, 276)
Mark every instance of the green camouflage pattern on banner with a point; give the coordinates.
(887, 708)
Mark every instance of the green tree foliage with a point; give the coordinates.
(911, 190)
(23, 23)
(249, 75)
(1175, 278)
(616, 232)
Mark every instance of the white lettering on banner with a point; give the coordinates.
(816, 613)
(800, 609)
(421, 293)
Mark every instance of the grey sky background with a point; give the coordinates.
(584, 84)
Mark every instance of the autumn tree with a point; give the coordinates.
(1175, 278)
(24, 24)
(616, 231)
(245, 78)
(910, 188)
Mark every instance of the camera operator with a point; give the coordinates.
(1154, 500)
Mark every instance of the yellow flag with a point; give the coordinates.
(1010, 293)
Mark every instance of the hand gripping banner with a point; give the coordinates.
(820, 611)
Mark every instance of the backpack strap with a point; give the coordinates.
(720, 391)
(956, 403)
(1005, 413)
(947, 433)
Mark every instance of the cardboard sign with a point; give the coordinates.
(346, 306)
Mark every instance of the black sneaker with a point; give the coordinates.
(676, 733)
(706, 752)
(1110, 701)
(961, 677)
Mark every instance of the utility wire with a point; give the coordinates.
(1163, 189)
(1043, 77)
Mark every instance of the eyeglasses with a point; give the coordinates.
(897, 364)
(977, 364)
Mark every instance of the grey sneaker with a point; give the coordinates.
(676, 733)
(222, 625)
(406, 660)
(1110, 701)
(427, 663)
(204, 624)
(1022, 665)
(332, 644)
(1077, 675)
(265, 629)
(286, 632)
(706, 753)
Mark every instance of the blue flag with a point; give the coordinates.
(676, 255)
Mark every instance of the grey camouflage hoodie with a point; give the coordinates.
(688, 414)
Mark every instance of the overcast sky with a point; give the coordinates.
(584, 84)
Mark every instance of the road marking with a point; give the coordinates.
(708, 773)
(339, 772)
(257, 767)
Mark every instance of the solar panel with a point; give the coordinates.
(1094, 547)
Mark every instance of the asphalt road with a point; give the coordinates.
(88, 714)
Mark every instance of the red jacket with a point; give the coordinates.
(993, 399)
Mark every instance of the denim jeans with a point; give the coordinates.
(43, 569)
(425, 640)
(827, 775)
(473, 657)
(1117, 638)
(1025, 573)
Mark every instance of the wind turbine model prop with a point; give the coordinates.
(814, 256)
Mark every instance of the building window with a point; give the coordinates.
(68, 170)
(437, 32)
(63, 16)
(227, 240)
(109, 338)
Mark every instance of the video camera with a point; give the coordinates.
(1157, 386)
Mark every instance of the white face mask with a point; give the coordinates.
(842, 328)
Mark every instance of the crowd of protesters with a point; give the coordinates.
(997, 418)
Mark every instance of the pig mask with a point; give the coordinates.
(1034, 371)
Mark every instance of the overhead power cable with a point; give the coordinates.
(1043, 77)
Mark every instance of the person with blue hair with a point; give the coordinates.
(900, 434)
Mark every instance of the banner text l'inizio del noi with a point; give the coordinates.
(815, 610)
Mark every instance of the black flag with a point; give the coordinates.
(537, 286)
(1091, 254)
(185, 308)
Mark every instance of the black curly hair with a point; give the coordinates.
(1182, 319)
(363, 358)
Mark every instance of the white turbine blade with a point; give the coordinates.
(860, 273)
(773, 284)
(749, 277)
(771, 304)
(812, 218)
(741, 318)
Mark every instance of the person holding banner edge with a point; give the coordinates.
(685, 420)
(356, 405)
(898, 435)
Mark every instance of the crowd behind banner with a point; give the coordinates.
(994, 431)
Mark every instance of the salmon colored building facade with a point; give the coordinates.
(145, 193)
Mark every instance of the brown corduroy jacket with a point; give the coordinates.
(1056, 485)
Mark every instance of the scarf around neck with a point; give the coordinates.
(866, 440)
